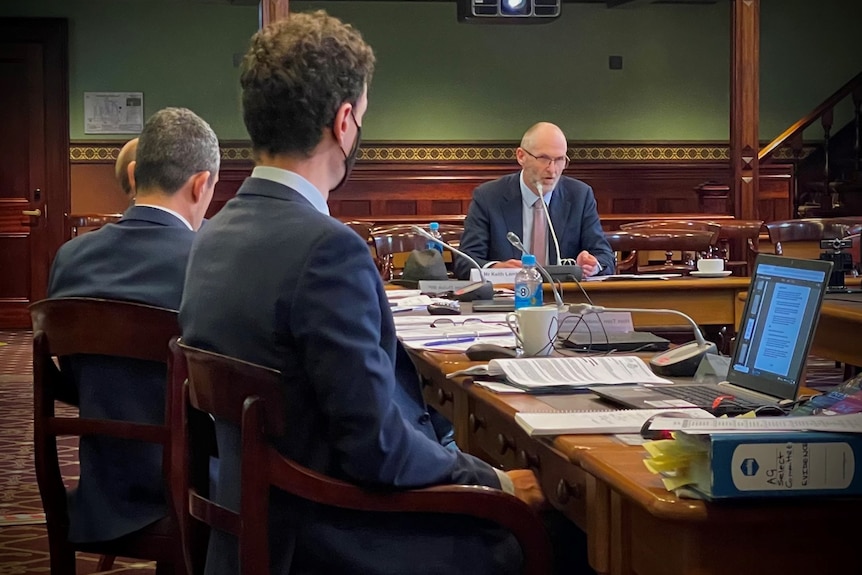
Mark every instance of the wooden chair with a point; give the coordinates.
(628, 243)
(801, 237)
(250, 396)
(675, 224)
(393, 244)
(68, 326)
(738, 243)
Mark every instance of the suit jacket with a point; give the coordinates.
(497, 209)
(273, 281)
(142, 258)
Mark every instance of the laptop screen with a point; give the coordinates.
(778, 323)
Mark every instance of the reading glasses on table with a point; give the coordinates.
(449, 322)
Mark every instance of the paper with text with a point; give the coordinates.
(574, 371)
(851, 423)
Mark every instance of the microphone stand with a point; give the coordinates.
(681, 361)
(480, 290)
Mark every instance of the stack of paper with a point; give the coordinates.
(580, 422)
(564, 374)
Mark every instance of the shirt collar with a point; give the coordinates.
(528, 196)
(294, 181)
(164, 209)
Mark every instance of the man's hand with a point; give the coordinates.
(527, 488)
(507, 264)
(588, 263)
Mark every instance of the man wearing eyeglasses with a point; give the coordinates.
(514, 203)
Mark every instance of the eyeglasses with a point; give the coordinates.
(448, 322)
(562, 162)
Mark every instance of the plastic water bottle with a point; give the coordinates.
(434, 230)
(528, 283)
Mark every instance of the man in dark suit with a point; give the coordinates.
(511, 204)
(142, 258)
(274, 280)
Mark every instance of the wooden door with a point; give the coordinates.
(34, 159)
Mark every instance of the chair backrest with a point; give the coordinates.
(801, 237)
(394, 243)
(667, 240)
(738, 243)
(70, 326)
(89, 222)
(673, 224)
(251, 396)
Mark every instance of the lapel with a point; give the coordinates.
(512, 209)
(559, 210)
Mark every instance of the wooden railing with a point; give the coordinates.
(793, 134)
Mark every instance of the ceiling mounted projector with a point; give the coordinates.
(508, 11)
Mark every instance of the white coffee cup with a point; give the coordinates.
(535, 328)
(710, 265)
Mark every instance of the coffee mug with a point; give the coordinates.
(710, 265)
(535, 328)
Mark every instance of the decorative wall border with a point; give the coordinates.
(86, 152)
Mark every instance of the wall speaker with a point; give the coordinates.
(508, 11)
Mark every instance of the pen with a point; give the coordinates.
(448, 341)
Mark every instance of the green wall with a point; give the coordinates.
(438, 79)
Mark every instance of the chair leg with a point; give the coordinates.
(106, 563)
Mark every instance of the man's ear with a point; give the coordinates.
(341, 123)
(520, 156)
(199, 184)
(130, 172)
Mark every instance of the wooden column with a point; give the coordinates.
(744, 107)
(272, 10)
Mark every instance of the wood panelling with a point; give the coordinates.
(438, 180)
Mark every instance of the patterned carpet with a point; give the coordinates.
(23, 542)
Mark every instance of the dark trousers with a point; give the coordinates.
(569, 544)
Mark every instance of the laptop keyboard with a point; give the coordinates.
(703, 396)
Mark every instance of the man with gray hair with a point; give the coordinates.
(141, 258)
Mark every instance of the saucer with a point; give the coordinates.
(721, 274)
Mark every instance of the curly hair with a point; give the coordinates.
(296, 74)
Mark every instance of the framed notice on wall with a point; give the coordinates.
(113, 112)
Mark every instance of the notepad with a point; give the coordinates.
(593, 422)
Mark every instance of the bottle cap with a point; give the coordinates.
(434, 226)
(528, 260)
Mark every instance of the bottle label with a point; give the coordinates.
(434, 246)
(528, 294)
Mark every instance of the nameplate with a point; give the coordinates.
(596, 323)
(495, 275)
(441, 286)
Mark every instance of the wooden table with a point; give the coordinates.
(708, 301)
(632, 523)
(838, 329)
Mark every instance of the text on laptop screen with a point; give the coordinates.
(776, 329)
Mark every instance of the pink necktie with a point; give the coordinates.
(539, 241)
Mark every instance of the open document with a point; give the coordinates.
(552, 374)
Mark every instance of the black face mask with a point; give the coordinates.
(350, 159)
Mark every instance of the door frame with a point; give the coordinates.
(52, 34)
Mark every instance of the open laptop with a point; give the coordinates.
(772, 344)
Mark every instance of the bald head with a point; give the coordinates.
(543, 134)
(121, 168)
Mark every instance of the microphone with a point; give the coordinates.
(681, 361)
(516, 241)
(541, 191)
(480, 290)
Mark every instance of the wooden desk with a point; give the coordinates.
(708, 301)
(837, 335)
(633, 524)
